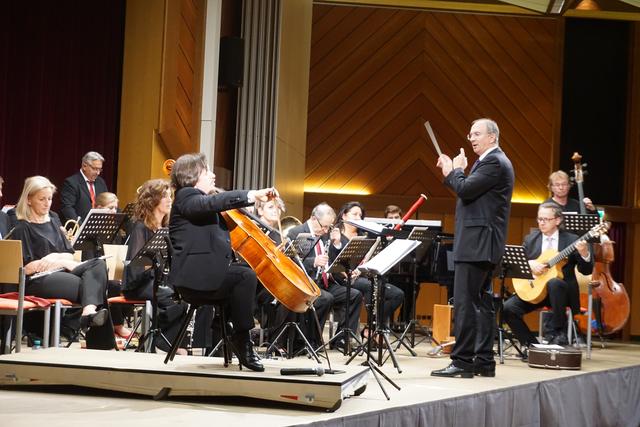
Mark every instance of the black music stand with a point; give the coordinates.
(581, 223)
(99, 227)
(514, 264)
(375, 268)
(128, 209)
(154, 253)
(425, 236)
(353, 253)
(302, 244)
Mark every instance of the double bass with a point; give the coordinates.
(612, 305)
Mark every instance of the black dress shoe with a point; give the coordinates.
(243, 349)
(95, 319)
(484, 372)
(452, 371)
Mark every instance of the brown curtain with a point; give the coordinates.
(60, 84)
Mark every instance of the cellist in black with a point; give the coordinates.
(202, 263)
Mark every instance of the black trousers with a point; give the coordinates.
(557, 298)
(393, 296)
(339, 292)
(475, 324)
(237, 292)
(86, 284)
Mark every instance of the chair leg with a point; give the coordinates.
(46, 326)
(146, 324)
(181, 334)
(7, 340)
(225, 337)
(55, 337)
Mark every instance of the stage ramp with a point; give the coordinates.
(146, 374)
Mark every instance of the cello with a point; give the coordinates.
(283, 278)
(612, 311)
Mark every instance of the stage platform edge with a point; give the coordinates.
(146, 374)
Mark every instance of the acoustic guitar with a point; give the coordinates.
(535, 290)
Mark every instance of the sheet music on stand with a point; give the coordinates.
(580, 223)
(99, 227)
(389, 256)
(156, 244)
(514, 263)
(301, 246)
(352, 254)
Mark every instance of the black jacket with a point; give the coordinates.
(200, 238)
(483, 208)
(75, 198)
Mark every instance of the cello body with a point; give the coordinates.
(285, 280)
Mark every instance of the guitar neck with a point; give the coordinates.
(566, 251)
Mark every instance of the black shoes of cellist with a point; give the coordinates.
(243, 349)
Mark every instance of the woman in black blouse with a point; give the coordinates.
(153, 205)
(393, 296)
(46, 248)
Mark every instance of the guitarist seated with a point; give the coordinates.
(561, 289)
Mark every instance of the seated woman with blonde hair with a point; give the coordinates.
(45, 248)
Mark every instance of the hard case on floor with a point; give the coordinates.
(567, 358)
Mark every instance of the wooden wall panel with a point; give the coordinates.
(377, 74)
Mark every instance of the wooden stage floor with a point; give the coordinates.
(71, 406)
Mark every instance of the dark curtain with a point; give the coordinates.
(60, 84)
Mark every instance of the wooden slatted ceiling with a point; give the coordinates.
(377, 74)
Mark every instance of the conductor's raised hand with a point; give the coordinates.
(460, 161)
(445, 164)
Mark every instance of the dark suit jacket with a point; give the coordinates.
(533, 247)
(4, 224)
(482, 209)
(75, 197)
(200, 238)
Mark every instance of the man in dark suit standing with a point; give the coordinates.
(482, 217)
(561, 292)
(79, 191)
(202, 267)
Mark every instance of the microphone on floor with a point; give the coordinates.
(318, 370)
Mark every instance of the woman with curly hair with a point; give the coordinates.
(152, 208)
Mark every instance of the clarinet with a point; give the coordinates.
(326, 252)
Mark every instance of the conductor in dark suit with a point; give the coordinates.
(79, 191)
(561, 292)
(202, 267)
(482, 216)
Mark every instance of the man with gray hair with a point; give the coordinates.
(320, 226)
(79, 191)
(482, 216)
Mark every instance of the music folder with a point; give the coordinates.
(389, 256)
